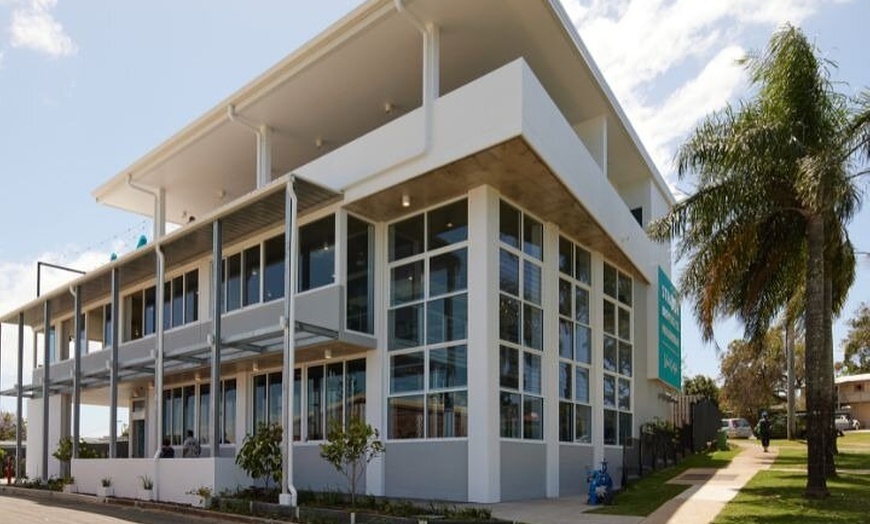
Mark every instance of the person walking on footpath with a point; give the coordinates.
(763, 431)
(191, 447)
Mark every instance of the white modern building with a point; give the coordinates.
(431, 217)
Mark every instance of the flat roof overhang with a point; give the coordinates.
(336, 87)
(255, 211)
(508, 167)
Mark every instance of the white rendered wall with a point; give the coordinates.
(35, 430)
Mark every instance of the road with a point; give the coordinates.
(31, 511)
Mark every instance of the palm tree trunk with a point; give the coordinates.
(817, 396)
(789, 348)
(828, 375)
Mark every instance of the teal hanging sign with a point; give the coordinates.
(670, 357)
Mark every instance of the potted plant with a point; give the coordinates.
(202, 496)
(69, 485)
(105, 489)
(146, 489)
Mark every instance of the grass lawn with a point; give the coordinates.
(776, 496)
(645, 495)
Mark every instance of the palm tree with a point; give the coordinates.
(768, 219)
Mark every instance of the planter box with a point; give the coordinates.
(105, 491)
(145, 494)
(200, 502)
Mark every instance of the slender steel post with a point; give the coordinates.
(46, 381)
(288, 491)
(77, 371)
(217, 303)
(19, 422)
(113, 372)
(158, 359)
(39, 266)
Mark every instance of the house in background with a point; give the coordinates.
(854, 391)
(430, 217)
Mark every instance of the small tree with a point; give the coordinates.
(260, 455)
(349, 450)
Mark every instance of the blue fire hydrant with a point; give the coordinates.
(600, 485)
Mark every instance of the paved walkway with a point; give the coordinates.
(710, 490)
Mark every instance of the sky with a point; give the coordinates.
(87, 88)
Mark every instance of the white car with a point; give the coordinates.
(737, 427)
(844, 423)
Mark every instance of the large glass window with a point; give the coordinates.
(188, 407)
(360, 276)
(428, 319)
(267, 399)
(575, 352)
(273, 264)
(521, 324)
(333, 393)
(251, 287)
(317, 253)
(617, 354)
(233, 281)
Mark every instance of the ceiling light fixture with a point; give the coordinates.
(327, 354)
(406, 200)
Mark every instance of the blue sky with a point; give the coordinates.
(86, 88)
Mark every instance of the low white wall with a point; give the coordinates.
(125, 474)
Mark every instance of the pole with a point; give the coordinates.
(217, 306)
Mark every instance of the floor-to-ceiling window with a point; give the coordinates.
(187, 407)
(427, 324)
(617, 354)
(575, 343)
(521, 324)
(360, 281)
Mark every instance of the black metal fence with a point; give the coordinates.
(694, 424)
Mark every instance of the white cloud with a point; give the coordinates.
(33, 27)
(670, 62)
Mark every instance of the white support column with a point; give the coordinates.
(19, 415)
(264, 156)
(217, 308)
(158, 357)
(377, 364)
(288, 490)
(46, 383)
(484, 446)
(550, 364)
(596, 380)
(78, 333)
(159, 214)
(431, 63)
(113, 370)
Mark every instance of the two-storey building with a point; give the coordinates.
(431, 217)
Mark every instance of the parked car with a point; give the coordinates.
(844, 423)
(737, 427)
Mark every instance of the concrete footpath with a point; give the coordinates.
(710, 490)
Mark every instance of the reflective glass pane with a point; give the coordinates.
(609, 280)
(355, 390)
(531, 373)
(406, 372)
(583, 345)
(509, 367)
(273, 273)
(251, 261)
(624, 427)
(406, 417)
(533, 327)
(609, 384)
(406, 283)
(566, 372)
(509, 273)
(566, 256)
(583, 266)
(533, 237)
(406, 238)
(260, 406)
(533, 418)
(233, 290)
(334, 395)
(317, 253)
(509, 319)
(315, 403)
(624, 291)
(624, 323)
(448, 367)
(191, 296)
(448, 224)
(566, 338)
(532, 282)
(204, 414)
(448, 273)
(149, 312)
(228, 412)
(360, 276)
(565, 290)
(625, 360)
(448, 414)
(609, 320)
(609, 353)
(509, 224)
(610, 427)
(624, 394)
(406, 327)
(177, 301)
(584, 424)
(581, 305)
(447, 319)
(566, 422)
(581, 389)
(509, 415)
(276, 396)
